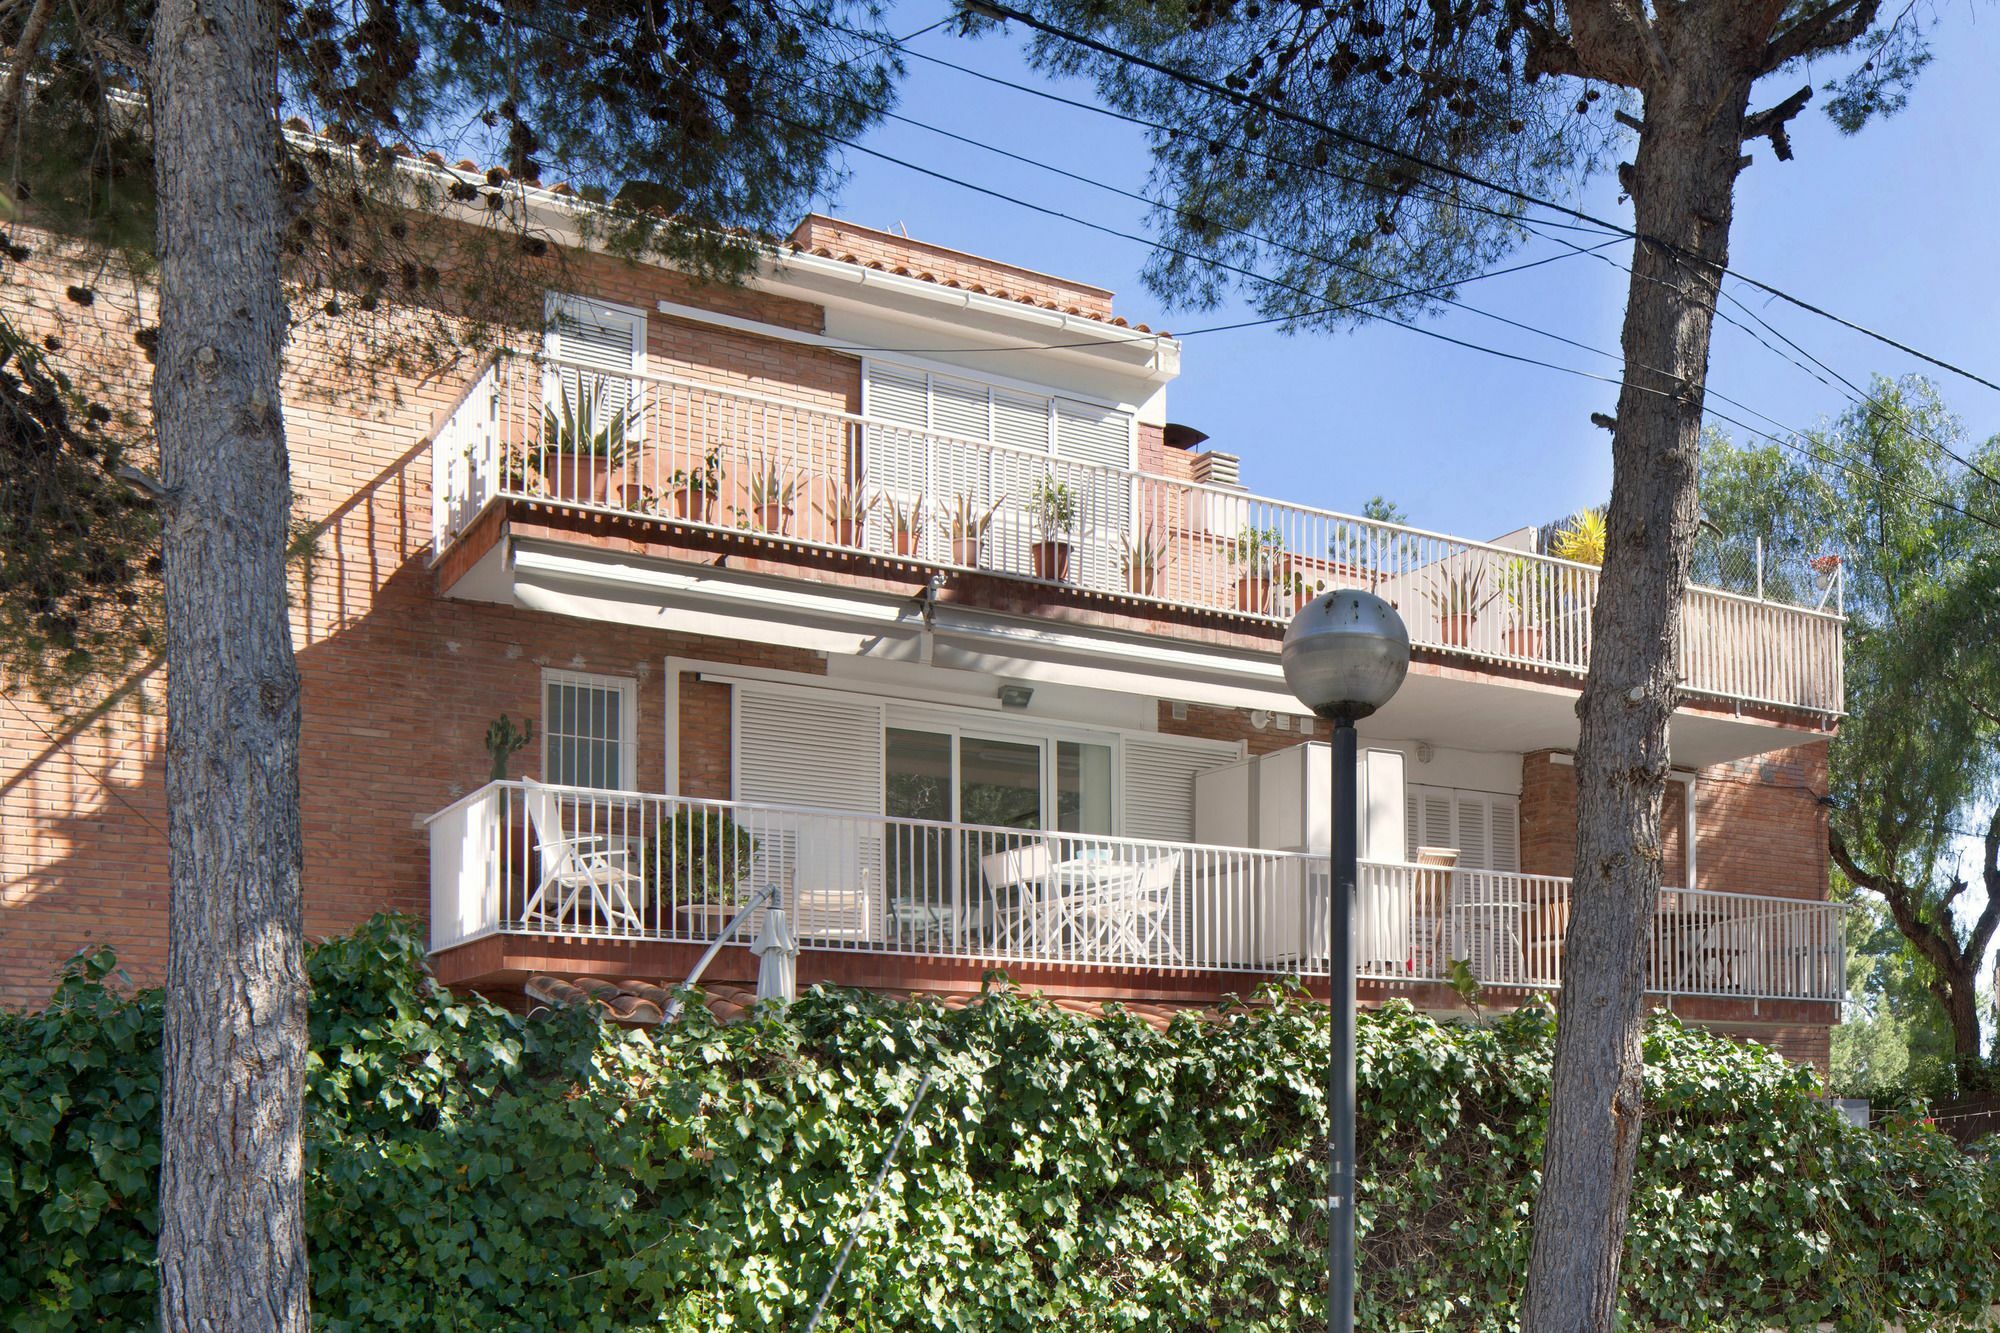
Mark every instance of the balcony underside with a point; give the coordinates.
(657, 573)
(499, 966)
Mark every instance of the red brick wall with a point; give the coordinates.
(1758, 826)
(398, 684)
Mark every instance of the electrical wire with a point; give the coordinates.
(1852, 467)
(1209, 86)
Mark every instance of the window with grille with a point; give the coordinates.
(589, 730)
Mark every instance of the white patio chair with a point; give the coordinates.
(1025, 871)
(574, 865)
(1127, 917)
(1483, 926)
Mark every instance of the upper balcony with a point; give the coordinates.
(707, 459)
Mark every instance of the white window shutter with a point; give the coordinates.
(961, 407)
(892, 393)
(824, 752)
(1021, 421)
(1474, 852)
(1506, 833)
(1159, 785)
(1091, 434)
(590, 336)
(1438, 829)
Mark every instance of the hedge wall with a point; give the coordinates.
(469, 1170)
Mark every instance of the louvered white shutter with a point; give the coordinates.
(589, 336)
(820, 750)
(1021, 421)
(1506, 833)
(895, 458)
(824, 752)
(959, 470)
(1092, 434)
(1100, 437)
(1159, 785)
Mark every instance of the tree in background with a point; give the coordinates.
(1914, 509)
(1322, 156)
(1892, 1037)
(122, 125)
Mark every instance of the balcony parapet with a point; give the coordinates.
(725, 461)
(520, 858)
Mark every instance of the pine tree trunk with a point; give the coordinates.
(1682, 183)
(232, 1242)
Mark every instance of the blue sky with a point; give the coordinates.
(1893, 229)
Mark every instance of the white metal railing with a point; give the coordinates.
(519, 857)
(657, 446)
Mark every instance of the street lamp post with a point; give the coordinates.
(1345, 655)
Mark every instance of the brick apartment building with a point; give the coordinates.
(963, 645)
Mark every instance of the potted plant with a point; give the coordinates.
(1054, 510)
(1255, 552)
(1526, 587)
(846, 508)
(772, 490)
(695, 488)
(696, 861)
(1457, 597)
(1583, 540)
(503, 738)
(967, 525)
(583, 439)
(1140, 561)
(906, 526)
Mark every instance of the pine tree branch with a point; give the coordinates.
(1828, 30)
(1771, 121)
(33, 30)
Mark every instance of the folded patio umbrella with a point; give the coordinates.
(777, 951)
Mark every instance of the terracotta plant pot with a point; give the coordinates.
(909, 544)
(965, 551)
(580, 478)
(1524, 643)
(774, 517)
(1455, 630)
(692, 505)
(632, 496)
(1253, 593)
(846, 532)
(1052, 561)
(1140, 581)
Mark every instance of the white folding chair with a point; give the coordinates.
(1127, 917)
(1025, 871)
(576, 864)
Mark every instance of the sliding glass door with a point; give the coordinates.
(1015, 789)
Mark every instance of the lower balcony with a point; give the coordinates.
(527, 877)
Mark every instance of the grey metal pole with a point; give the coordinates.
(1343, 864)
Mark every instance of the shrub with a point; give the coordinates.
(469, 1169)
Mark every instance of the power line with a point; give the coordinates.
(1535, 226)
(1848, 465)
(993, 9)
(1853, 392)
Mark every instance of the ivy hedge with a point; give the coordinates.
(469, 1169)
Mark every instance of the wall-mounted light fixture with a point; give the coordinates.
(1015, 696)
